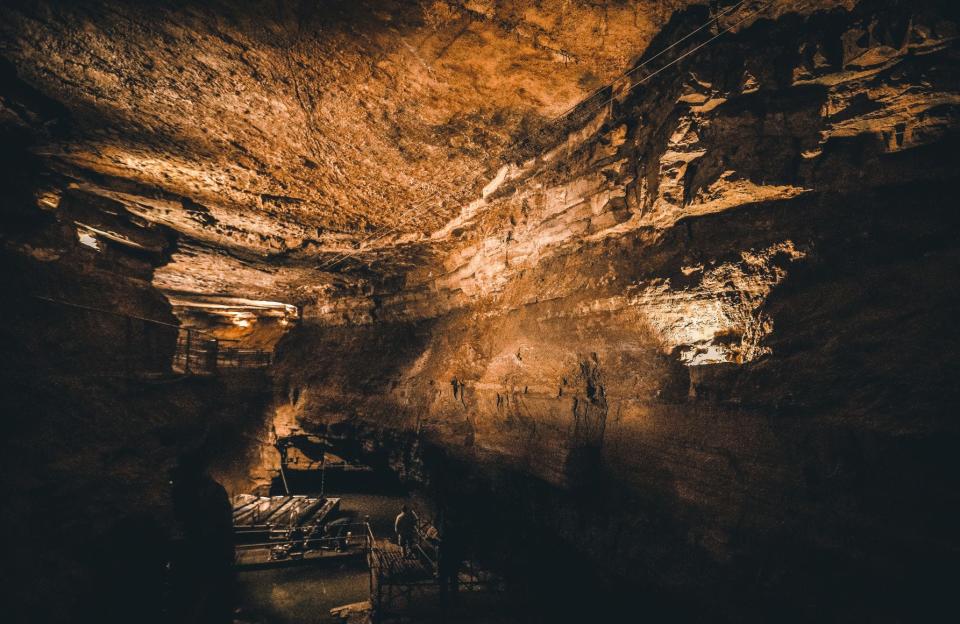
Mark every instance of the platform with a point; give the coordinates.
(272, 531)
(259, 556)
(388, 565)
(409, 588)
(259, 515)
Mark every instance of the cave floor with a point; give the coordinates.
(305, 594)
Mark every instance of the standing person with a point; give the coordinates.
(406, 528)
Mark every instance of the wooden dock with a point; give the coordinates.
(272, 531)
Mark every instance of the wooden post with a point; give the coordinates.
(283, 462)
(213, 347)
(323, 472)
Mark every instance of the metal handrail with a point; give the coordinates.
(206, 356)
(81, 306)
(422, 539)
(365, 534)
(196, 350)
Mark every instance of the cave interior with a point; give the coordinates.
(648, 308)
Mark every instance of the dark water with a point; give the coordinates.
(302, 594)
(305, 594)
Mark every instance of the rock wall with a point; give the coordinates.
(109, 512)
(696, 343)
(724, 305)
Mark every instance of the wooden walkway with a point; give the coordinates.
(397, 581)
(409, 589)
(388, 564)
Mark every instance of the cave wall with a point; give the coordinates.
(699, 339)
(109, 460)
(110, 513)
(724, 304)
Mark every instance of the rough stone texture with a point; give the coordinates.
(301, 126)
(279, 139)
(104, 455)
(699, 339)
(722, 305)
(108, 515)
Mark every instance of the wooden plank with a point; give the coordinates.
(393, 568)
(300, 508)
(249, 513)
(246, 506)
(289, 500)
(289, 516)
(254, 513)
(260, 558)
(268, 506)
(328, 507)
(308, 510)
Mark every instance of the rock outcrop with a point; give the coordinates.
(724, 301)
(110, 514)
(698, 335)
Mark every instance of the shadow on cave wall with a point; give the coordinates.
(815, 480)
(99, 433)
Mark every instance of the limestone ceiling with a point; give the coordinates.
(267, 129)
(307, 120)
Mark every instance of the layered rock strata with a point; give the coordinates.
(109, 512)
(699, 338)
(724, 301)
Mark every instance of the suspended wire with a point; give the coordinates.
(693, 50)
(627, 73)
(80, 306)
(375, 237)
(328, 264)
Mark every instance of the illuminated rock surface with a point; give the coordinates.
(701, 333)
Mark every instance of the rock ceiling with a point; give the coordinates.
(284, 134)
